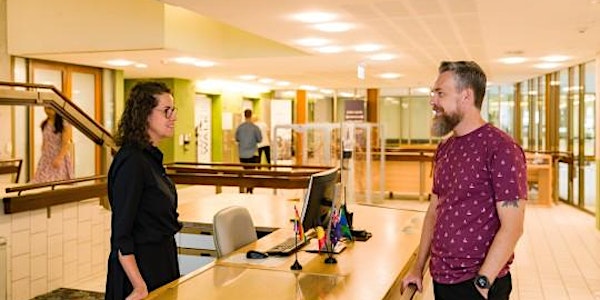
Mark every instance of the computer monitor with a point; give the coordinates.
(318, 198)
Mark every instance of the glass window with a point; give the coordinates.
(507, 111)
(524, 122)
(589, 117)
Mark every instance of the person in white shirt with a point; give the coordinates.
(265, 145)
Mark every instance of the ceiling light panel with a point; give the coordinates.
(382, 57)
(247, 77)
(333, 27)
(390, 75)
(330, 49)
(185, 60)
(555, 58)
(312, 42)
(546, 65)
(513, 60)
(314, 17)
(119, 62)
(367, 48)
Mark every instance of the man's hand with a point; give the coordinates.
(483, 292)
(413, 277)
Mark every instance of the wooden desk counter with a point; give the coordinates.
(365, 270)
(235, 282)
(540, 170)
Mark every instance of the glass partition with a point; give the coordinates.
(525, 124)
(564, 133)
(589, 137)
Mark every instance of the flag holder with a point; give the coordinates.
(296, 266)
(330, 245)
(330, 259)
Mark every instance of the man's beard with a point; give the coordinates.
(444, 123)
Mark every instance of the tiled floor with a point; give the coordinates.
(557, 258)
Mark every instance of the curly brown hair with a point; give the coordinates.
(133, 126)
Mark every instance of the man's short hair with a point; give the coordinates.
(247, 113)
(467, 74)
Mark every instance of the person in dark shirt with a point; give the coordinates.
(143, 199)
(477, 207)
(248, 135)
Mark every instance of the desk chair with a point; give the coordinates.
(232, 229)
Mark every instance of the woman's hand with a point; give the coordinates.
(57, 162)
(138, 293)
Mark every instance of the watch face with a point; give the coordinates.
(482, 282)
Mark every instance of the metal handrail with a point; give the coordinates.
(29, 94)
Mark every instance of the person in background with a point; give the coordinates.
(248, 135)
(477, 208)
(55, 163)
(143, 199)
(265, 145)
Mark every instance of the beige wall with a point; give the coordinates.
(45, 253)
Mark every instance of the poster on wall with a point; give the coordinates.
(354, 110)
(202, 117)
(283, 137)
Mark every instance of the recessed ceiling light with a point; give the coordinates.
(308, 87)
(282, 83)
(326, 91)
(382, 57)
(390, 75)
(555, 58)
(119, 62)
(140, 66)
(186, 60)
(203, 63)
(183, 60)
(314, 17)
(547, 65)
(367, 48)
(422, 90)
(513, 60)
(312, 42)
(330, 49)
(265, 80)
(334, 27)
(248, 77)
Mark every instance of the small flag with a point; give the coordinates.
(335, 232)
(345, 227)
(298, 229)
(321, 238)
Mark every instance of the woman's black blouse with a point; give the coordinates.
(143, 199)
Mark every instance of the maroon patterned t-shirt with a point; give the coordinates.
(471, 174)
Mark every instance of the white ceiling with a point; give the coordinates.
(421, 33)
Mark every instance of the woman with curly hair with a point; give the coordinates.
(143, 199)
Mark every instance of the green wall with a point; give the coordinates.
(216, 125)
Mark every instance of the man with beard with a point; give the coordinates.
(477, 207)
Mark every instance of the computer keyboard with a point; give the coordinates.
(287, 247)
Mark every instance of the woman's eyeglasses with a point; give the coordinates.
(168, 111)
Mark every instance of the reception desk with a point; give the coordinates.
(539, 172)
(364, 270)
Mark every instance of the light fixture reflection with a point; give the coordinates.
(333, 27)
(314, 17)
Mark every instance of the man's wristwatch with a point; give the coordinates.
(482, 282)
